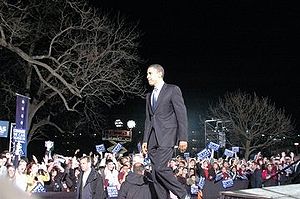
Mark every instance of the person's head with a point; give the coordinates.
(270, 167)
(226, 164)
(138, 168)
(54, 172)
(85, 163)
(125, 161)
(32, 168)
(11, 171)
(110, 165)
(204, 164)
(155, 74)
(216, 166)
(224, 169)
(125, 168)
(173, 163)
(182, 163)
(3, 159)
(184, 171)
(22, 166)
(192, 163)
(192, 172)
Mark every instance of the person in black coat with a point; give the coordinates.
(136, 185)
(90, 185)
(165, 127)
(255, 176)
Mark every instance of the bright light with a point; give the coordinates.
(118, 123)
(296, 144)
(131, 124)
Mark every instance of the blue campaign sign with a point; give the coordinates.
(19, 135)
(117, 148)
(201, 182)
(235, 149)
(227, 183)
(213, 146)
(112, 191)
(100, 148)
(203, 154)
(38, 188)
(4, 126)
(186, 155)
(194, 189)
(228, 153)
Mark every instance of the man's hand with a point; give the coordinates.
(182, 146)
(144, 148)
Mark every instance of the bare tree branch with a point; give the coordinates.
(255, 122)
(69, 54)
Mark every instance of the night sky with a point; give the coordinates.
(211, 47)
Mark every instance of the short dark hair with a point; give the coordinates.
(159, 68)
(138, 168)
(88, 158)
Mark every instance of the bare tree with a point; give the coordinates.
(67, 56)
(255, 123)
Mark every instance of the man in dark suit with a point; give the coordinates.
(90, 185)
(165, 127)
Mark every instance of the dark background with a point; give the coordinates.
(212, 47)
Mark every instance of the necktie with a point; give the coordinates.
(154, 98)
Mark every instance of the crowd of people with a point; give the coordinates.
(120, 176)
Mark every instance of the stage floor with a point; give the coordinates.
(275, 192)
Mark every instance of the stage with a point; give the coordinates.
(276, 192)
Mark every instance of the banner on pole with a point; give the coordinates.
(21, 128)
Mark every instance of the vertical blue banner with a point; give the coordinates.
(21, 129)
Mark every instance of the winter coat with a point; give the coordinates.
(135, 186)
(93, 188)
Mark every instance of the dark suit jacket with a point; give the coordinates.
(169, 119)
(93, 188)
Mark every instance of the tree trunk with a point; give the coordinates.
(247, 150)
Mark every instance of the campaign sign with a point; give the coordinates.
(38, 188)
(147, 161)
(227, 183)
(49, 145)
(100, 148)
(186, 155)
(19, 135)
(194, 189)
(235, 149)
(201, 182)
(4, 125)
(112, 192)
(117, 148)
(203, 154)
(213, 146)
(228, 153)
